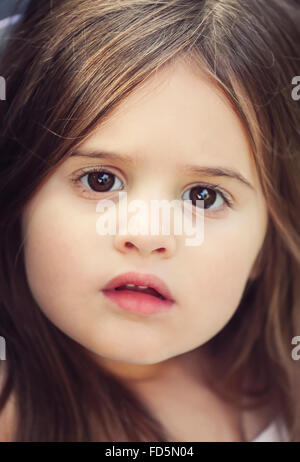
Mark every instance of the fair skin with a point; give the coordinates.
(176, 118)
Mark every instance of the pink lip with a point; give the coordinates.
(138, 302)
(149, 280)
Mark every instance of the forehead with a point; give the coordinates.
(176, 114)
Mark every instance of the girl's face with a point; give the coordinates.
(176, 120)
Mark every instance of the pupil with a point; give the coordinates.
(100, 181)
(207, 195)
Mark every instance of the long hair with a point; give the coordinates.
(67, 65)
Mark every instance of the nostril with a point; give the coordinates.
(128, 244)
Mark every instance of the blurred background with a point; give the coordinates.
(8, 7)
(10, 12)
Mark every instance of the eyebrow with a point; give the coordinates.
(188, 169)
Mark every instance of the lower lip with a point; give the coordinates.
(137, 302)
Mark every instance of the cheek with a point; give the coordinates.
(234, 246)
(57, 252)
(221, 266)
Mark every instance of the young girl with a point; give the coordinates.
(171, 100)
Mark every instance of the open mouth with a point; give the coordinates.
(141, 289)
(139, 299)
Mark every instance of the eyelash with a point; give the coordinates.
(229, 203)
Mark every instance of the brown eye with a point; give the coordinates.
(100, 181)
(209, 195)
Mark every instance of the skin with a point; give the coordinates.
(176, 117)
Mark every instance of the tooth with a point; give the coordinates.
(130, 285)
(142, 287)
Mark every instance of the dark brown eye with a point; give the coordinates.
(100, 181)
(205, 194)
(208, 195)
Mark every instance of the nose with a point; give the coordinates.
(146, 245)
(161, 241)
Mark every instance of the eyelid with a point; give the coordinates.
(94, 168)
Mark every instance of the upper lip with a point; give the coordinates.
(149, 280)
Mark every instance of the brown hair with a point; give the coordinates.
(67, 65)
